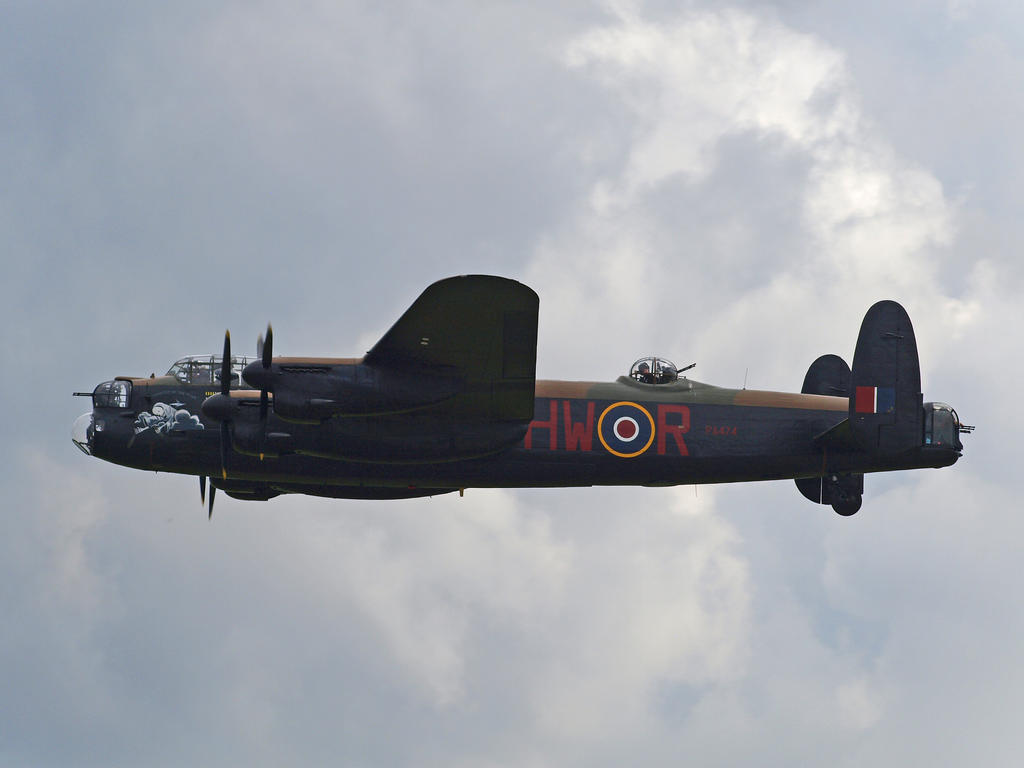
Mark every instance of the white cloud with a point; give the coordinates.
(425, 576)
(660, 596)
(859, 707)
(868, 224)
(705, 75)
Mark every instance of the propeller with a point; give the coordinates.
(202, 494)
(222, 409)
(264, 351)
(225, 389)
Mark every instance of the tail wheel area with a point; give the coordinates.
(845, 492)
(848, 507)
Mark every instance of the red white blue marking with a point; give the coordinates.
(874, 400)
(625, 429)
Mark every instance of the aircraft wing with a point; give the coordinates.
(479, 329)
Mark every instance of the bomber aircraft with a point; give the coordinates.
(448, 400)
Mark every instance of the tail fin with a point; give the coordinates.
(830, 375)
(885, 382)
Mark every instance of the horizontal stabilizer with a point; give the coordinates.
(885, 397)
(838, 438)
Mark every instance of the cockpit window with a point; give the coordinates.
(205, 369)
(656, 370)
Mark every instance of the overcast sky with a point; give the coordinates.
(730, 184)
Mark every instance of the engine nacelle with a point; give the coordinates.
(312, 392)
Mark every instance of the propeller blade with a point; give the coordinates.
(259, 346)
(225, 365)
(225, 440)
(225, 430)
(267, 348)
(202, 489)
(263, 420)
(213, 492)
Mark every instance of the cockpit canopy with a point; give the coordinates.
(205, 369)
(656, 370)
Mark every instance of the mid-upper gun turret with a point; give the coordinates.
(656, 370)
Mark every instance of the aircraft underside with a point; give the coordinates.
(444, 403)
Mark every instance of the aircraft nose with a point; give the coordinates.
(82, 433)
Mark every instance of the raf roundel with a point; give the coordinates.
(625, 429)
